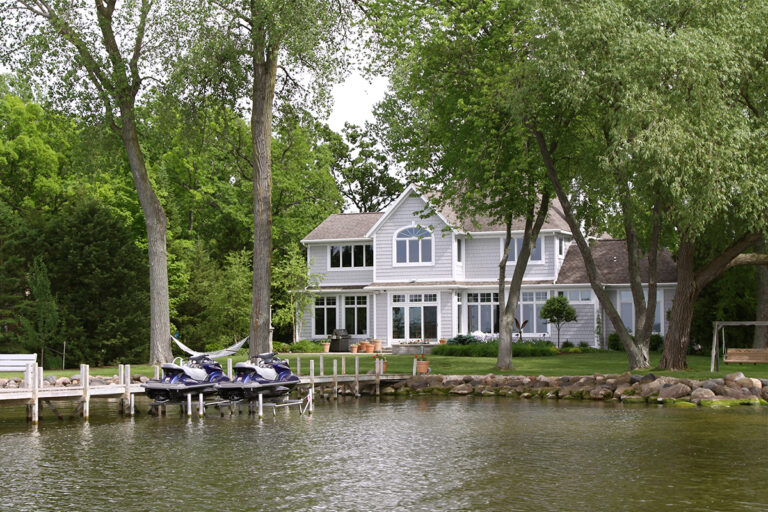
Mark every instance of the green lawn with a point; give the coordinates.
(571, 364)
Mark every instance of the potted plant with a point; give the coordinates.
(353, 348)
(422, 365)
(326, 346)
(377, 345)
(443, 341)
(381, 361)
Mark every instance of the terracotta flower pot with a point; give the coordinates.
(368, 348)
(377, 345)
(422, 367)
(353, 349)
(326, 347)
(443, 341)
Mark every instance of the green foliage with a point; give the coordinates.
(614, 342)
(304, 346)
(40, 330)
(100, 278)
(558, 311)
(566, 344)
(583, 344)
(656, 343)
(278, 346)
(363, 172)
(538, 348)
(462, 339)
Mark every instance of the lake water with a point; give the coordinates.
(426, 453)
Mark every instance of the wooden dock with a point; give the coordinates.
(33, 394)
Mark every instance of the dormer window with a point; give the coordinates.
(351, 256)
(516, 245)
(413, 245)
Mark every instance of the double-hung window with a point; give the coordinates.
(325, 316)
(516, 245)
(413, 246)
(356, 314)
(483, 312)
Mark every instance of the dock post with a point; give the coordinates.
(378, 377)
(343, 365)
(35, 406)
(414, 366)
(127, 393)
(261, 405)
(335, 381)
(189, 405)
(200, 406)
(298, 366)
(133, 409)
(322, 366)
(120, 382)
(311, 399)
(357, 375)
(85, 374)
(312, 377)
(229, 368)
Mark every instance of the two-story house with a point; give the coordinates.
(398, 277)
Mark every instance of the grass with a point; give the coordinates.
(551, 366)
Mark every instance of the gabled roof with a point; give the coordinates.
(410, 190)
(612, 264)
(344, 226)
(555, 221)
(356, 226)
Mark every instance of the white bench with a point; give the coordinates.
(16, 362)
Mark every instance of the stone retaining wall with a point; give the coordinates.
(733, 389)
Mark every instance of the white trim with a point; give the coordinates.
(538, 263)
(336, 241)
(407, 247)
(328, 267)
(409, 190)
(502, 234)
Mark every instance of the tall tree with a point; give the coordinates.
(101, 52)
(363, 172)
(449, 121)
(260, 48)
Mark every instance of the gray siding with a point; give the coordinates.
(382, 317)
(482, 259)
(318, 257)
(383, 246)
(446, 315)
(484, 254)
(581, 330)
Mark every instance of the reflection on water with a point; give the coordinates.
(390, 454)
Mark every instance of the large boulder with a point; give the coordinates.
(601, 393)
(734, 376)
(702, 394)
(462, 389)
(674, 391)
(3, 382)
(62, 381)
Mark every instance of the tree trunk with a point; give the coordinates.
(761, 331)
(155, 221)
(690, 282)
(678, 336)
(508, 307)
(264, 71)
(635, 356)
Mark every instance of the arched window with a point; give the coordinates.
(413, 245)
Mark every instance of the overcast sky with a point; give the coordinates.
(353, 100)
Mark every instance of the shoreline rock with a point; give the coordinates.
(734, 389)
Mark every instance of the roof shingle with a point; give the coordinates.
(344, 226)
(612, 264)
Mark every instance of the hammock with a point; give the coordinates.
(213, 355)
